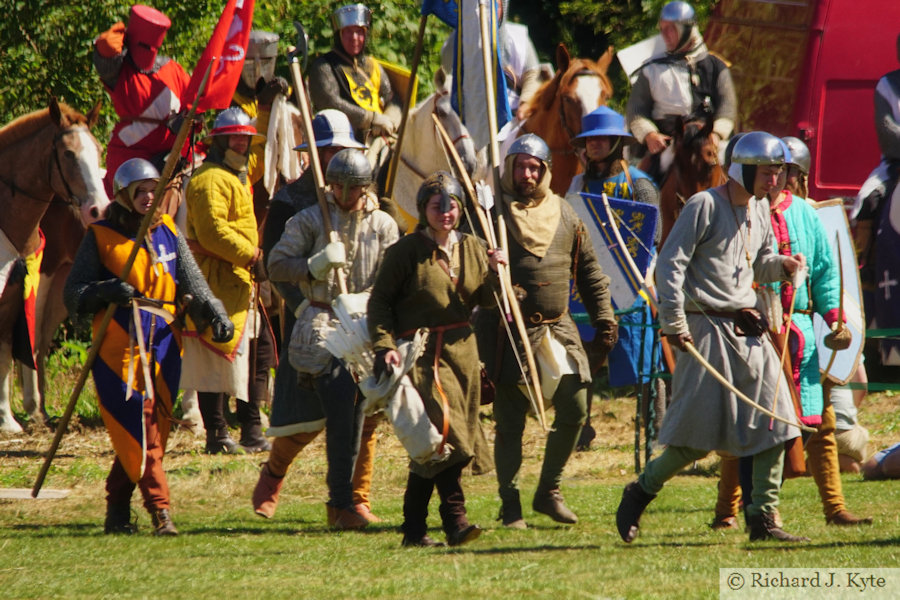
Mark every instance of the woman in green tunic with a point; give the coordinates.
(434, 278)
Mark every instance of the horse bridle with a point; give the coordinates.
(70, 196)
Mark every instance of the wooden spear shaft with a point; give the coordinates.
(166, 174)
(315, 164)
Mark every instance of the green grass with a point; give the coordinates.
(56, 548)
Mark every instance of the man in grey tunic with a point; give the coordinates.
(720, 244)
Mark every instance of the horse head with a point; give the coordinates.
(451, 122)
(579, 86)
(75, 172)
(701, 148)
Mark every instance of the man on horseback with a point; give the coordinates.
(548, 245)
(687, 82)
(145, 88)
(351, 81)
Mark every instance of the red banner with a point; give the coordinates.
(227, 47)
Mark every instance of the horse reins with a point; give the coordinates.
(53, 148)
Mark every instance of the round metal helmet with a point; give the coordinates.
(262, 50)
(729, 149)
(349, 15)
(758, 148)
(233, 121)
(132, 170)
(531, 145)
(678, 12)
(443, 183)
(349, 167)
(331, 127)
(799, 153)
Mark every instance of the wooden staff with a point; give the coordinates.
(537, 398)
(315, 164)
(148, 219)
(407, 104)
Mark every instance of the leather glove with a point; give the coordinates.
(273, 87)
(18, 271)
(332, 256)
(115, 291)
(382, 125)
(839, 339)
(111, 42)
(680, 339)
(379, 367)
(257, 267)
(605, 339)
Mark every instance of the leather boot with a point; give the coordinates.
(425, 541)
(345, 518)
(847, 518)
(458, 537)
(367, 514)
(265, 494)
(724, 522)
(253, 440)
(162, 523)
(118, 519)
(511, 513)
(628, 515)
(551, 503)
(763, 527)
(220, 442)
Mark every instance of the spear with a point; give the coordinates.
(164, 177)
(315, 163)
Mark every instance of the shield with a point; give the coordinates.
(837, 230)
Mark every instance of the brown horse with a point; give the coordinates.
(695, 167)
(47, 153)
(579, 86)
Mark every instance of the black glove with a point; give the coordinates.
(380, 367)
(258, 271)
(222, 330)
(605, 338)
(266, 94)
(680, 340)
(114, 291)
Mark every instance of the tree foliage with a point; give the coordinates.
(46, 44)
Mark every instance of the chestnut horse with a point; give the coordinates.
(695, 167)
(47, 153)
(579, 86)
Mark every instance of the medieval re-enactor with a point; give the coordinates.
(548, 246)
(797, 229)
(136, 410)
(305, 256)
(222, 233)
(145, 88)
(720, 244)
(434, 278)
(349, 80)
(688, 83)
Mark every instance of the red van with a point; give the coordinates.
(808, 68)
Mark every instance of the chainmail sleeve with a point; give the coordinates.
(190, 277)
(108, 68)
(86, 271)
(646, 192)
(726, 111)
(886, 126)
(639, 109)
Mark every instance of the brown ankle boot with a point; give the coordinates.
(345, 518)
(551, 503)
(628, 515)
(162, 523)
(118, 519)
(265, 494)
(846, 518)
(763, 527)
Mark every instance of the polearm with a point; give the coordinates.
(688, 345)
(537, 399)
(407, 104)
(315, 164)
(164, 177)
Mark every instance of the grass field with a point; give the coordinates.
(56, 548)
